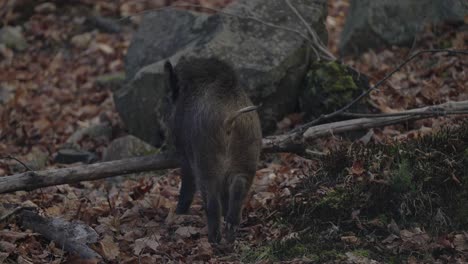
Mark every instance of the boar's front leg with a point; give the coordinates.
(212, 203)
(238, 190)
(187, 189)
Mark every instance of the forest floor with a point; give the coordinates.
(398, 195)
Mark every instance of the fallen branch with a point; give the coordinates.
(71, 236)
(386, 119)
(281, 143)
(37, 179)
(284, 141)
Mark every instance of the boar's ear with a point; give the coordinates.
(171, 80)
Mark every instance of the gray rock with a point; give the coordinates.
(271, 62)
(69, 156)
(104, 24)
(127, 147)
(101, 131)
(13, 38)
(377, 23)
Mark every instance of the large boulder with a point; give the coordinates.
(376, 23)
(271, 62)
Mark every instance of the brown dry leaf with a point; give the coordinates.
(381, 104)
(82, 40)
(430, 91)
(12, 236)
(417, 237)
(357, 168)
(350, 240)
(412, 260)
(170, 191)
(262, 198)
(3, 256)
(376, 222)
(151, 242)
(182, 219)
(74, 259)
(291, 120)
(162, 202)
(87, 111)
(55, 210)
(7, 247)
(105, 48)
(203, 251)
(187, 231)
(109, 248)
(460, 40)
(42, 124)
(22, 260)
(262, 181)
(460, 242)
(390, 239)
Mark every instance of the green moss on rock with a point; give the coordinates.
(329, 86)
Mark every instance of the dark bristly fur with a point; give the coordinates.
(219, 147)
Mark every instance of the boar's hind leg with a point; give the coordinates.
(187, 190)
(225, 203)
(212, 203)
(237, 191)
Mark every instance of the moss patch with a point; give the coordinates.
(329, 86)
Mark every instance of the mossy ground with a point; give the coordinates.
(364, 194)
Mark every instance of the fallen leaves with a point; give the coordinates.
(187, 231)
(110, 250)
(141, 244)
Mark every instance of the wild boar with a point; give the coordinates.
(217, 135)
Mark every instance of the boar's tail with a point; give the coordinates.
(229, 121)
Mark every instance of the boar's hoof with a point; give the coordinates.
(214, 238)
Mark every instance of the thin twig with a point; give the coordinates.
(427, 112)
(17, 160)
(317, 41)
(220, 11)
(315, 153)
(311, 32)
(8, 214)
(304, 127)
